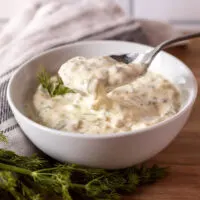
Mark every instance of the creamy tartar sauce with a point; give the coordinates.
(108, 98)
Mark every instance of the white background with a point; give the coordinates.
(8, 8)
(182, 13)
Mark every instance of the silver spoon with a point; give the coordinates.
(146, 58)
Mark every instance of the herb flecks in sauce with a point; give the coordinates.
(96, 109)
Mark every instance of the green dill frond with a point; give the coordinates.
(53, 87)
(29, 193)
(8, 183)
(152, 174)
(33, 162)
(3, 138)
(34, 178)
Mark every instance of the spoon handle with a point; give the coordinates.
(166, 43)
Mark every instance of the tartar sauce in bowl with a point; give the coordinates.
(108, 97)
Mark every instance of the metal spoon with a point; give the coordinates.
(146, 58)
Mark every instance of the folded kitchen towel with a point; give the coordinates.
(47, 24)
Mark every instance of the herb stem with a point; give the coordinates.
(15, 169)
(7, 161)
(77, 169)
(46, 170)
(76, 185)
(66, 194)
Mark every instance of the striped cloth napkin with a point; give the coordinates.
(47, 24)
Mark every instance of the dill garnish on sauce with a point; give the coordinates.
(53, 87)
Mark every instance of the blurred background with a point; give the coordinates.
(184, 14)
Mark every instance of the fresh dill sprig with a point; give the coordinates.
(35, 178)
(3, 138)
(53, 87)
(33, 162)
(66, 180)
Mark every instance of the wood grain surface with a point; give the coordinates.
(183, 154)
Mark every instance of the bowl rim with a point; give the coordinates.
(189, 103)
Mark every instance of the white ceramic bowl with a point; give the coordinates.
(106, 151)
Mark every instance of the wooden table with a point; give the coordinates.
(183, 155)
